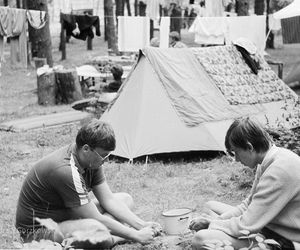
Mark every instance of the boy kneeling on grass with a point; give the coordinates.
(273, 206)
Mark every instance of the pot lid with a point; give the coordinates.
(177, 212)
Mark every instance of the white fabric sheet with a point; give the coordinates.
(133, 33)
(209, 30)
(213, 30)
(252, 28)
(164, 31)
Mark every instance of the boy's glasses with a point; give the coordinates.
(101, 157)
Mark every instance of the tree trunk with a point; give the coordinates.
(120, 4)
(142, 8)
(259, 7)
(242, 7)
(127, 2)
(270, 38)
(46, 88)
(39, 62)
(68, 86)
(136, 7)
(40, 39)
(110, 26)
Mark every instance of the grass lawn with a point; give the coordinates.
(159, 185)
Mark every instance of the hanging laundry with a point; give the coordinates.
(5, 22)
(133, 33)
(213, 30)
(152, 8)
(209, 30)
(37, 19)
(85, 25)
(13, 25)
(164, 30)
(214, 8)
(18, 41)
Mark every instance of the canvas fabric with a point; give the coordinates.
(176, 101)
(192, 93)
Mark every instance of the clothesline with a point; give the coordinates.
(180, 17)
(13, 25)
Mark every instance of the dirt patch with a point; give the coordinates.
(163, 242)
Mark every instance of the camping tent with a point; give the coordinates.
(291, 10)
(185, 99)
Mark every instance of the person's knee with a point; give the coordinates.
(209, 206)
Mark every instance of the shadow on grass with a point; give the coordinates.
(174, 157)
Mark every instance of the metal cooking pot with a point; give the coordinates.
(176, 221)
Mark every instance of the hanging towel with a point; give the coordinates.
(36, 19)
(133, 33)
(209, 30)
(164, 30)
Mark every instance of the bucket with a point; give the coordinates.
(176, 221)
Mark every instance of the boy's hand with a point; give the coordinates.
(201, 222)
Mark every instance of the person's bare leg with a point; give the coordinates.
(215, 208)
(209, 236)
(87, 227)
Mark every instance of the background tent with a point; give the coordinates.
(293, 9)
(185, 99)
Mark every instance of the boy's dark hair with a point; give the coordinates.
(245, 130)
(96, 134)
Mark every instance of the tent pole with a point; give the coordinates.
(269, 31)
(146, 162)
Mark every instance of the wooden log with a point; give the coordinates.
(46, 88)
(68, 86)
(39, 62)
